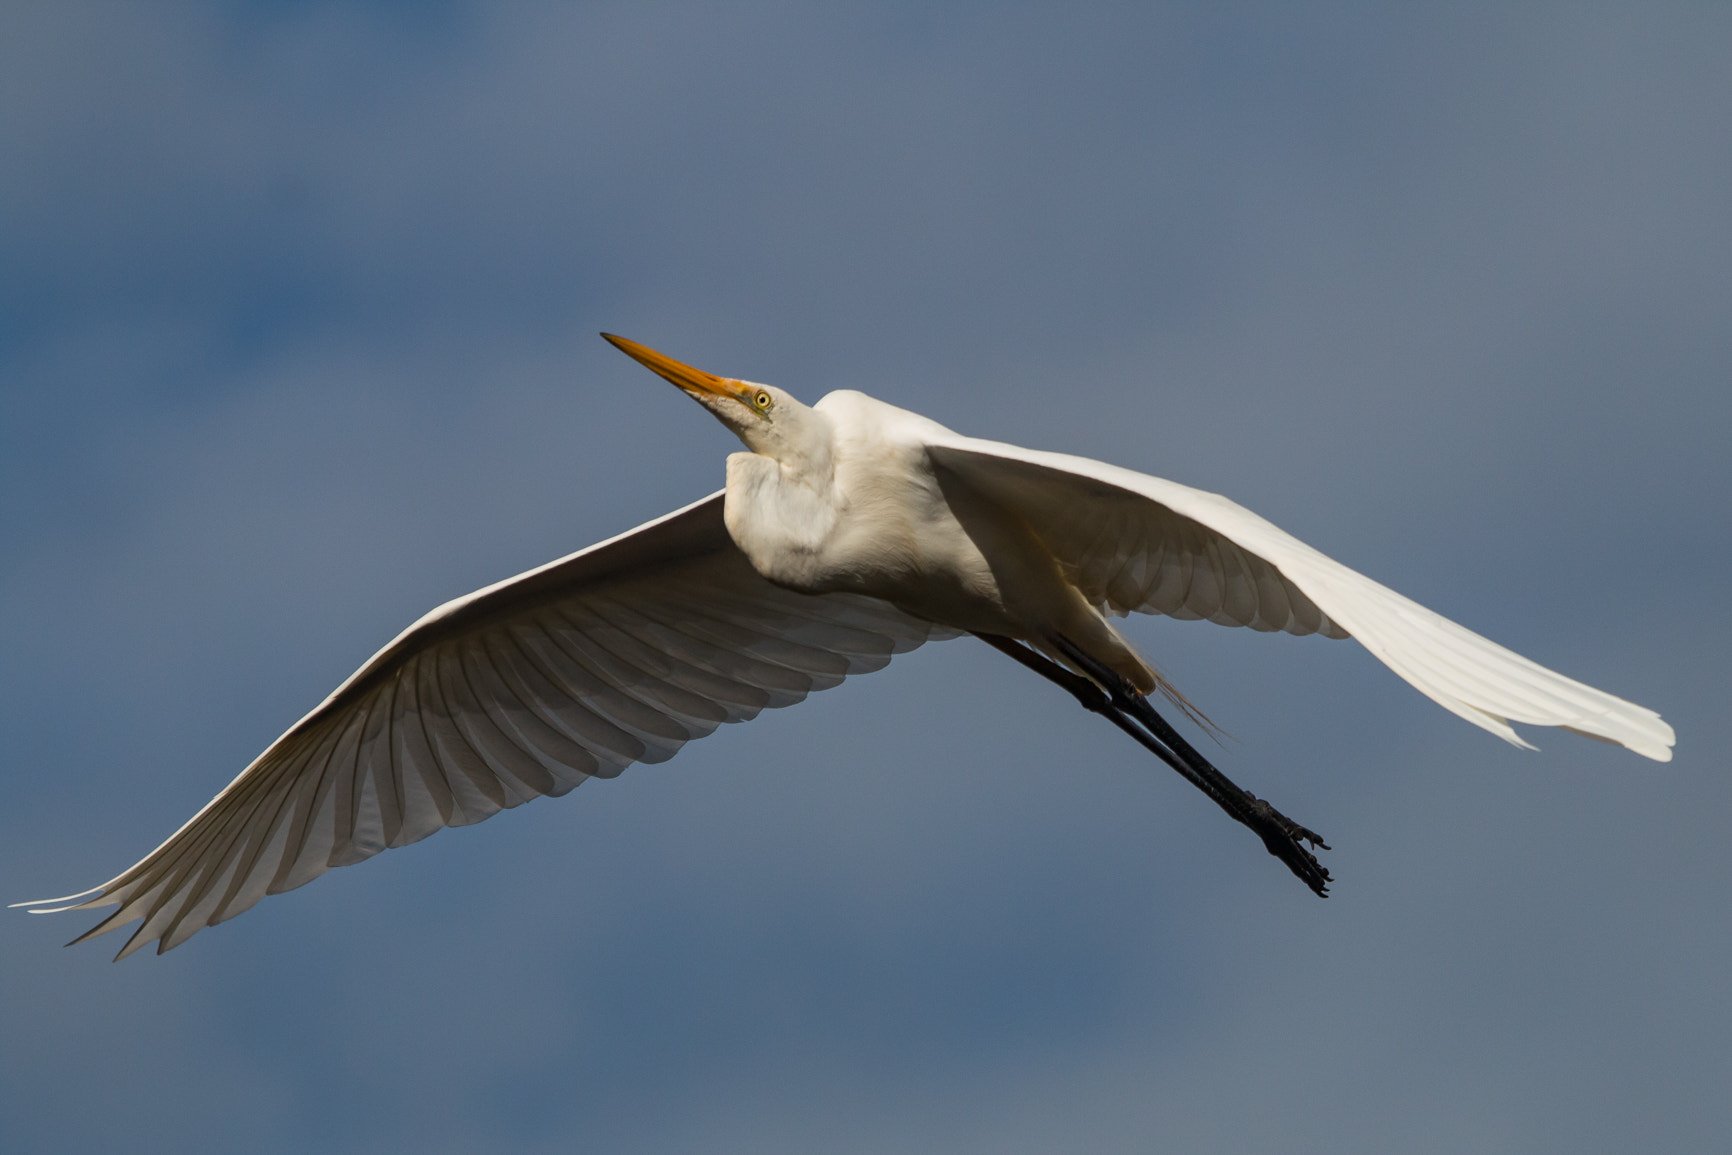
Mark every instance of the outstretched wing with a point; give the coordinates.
(617, 654)
(1134, 542)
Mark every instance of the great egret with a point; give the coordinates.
(849, 532)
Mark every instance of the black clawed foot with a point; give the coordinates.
(1282, 837)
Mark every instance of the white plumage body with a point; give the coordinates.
(851, 531)
(873, 516)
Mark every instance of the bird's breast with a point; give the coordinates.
(884, 528)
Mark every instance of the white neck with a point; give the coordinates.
(782, 503)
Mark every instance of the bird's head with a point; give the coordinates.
(767, 419)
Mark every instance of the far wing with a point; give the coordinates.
(617, 654)
(1134, 542)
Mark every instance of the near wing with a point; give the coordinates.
(1134, 542)
(617, 654)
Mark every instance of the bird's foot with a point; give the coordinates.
(1283, 837)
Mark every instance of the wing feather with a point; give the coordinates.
(620, 653)
(1135, 542)
(623, 652)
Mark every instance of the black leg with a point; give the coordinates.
(1107, 693)
(1095, 699)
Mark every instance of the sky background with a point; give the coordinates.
(298, 307)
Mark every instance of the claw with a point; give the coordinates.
(1282, 837)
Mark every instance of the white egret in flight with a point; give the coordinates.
(848, 532)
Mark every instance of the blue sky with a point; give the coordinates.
(298, 308)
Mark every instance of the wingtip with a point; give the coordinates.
(57, 905)
(135, 942)
(1652, 738)
(1658, 751)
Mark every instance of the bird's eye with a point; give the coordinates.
(762, 401)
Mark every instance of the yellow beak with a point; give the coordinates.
(694, 381)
